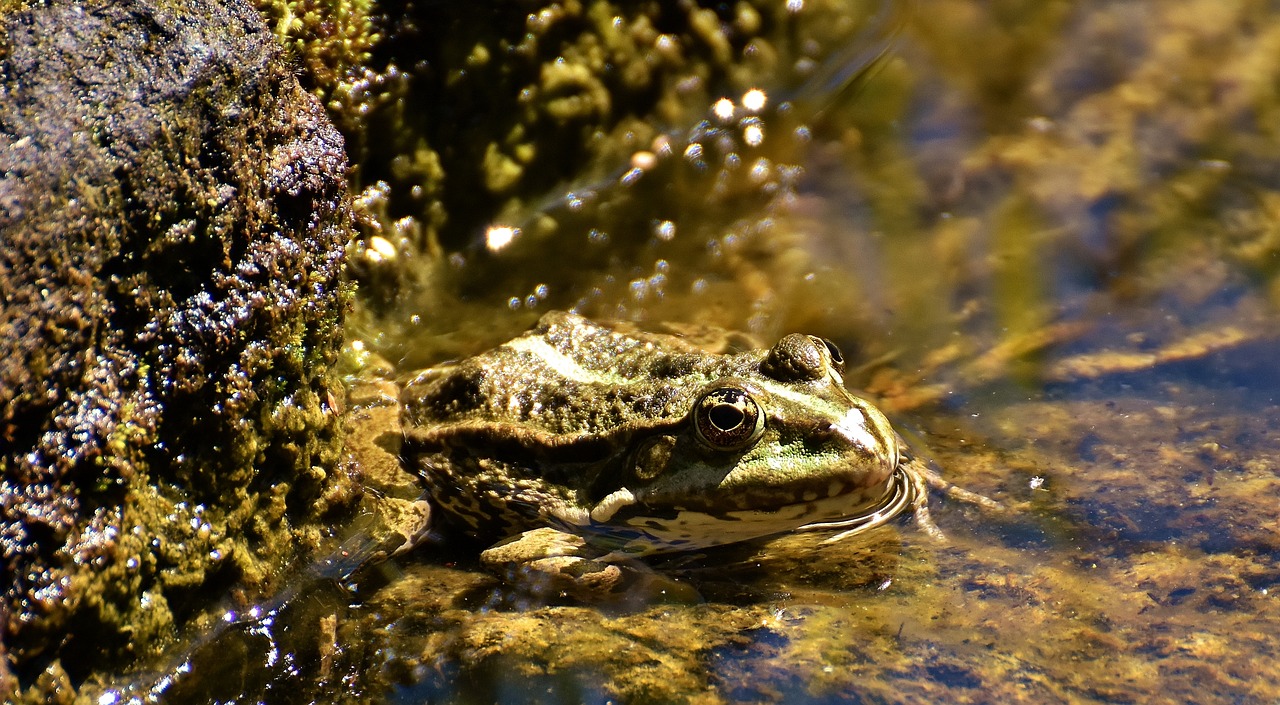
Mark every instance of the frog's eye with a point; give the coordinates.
(837, 357)
(728, 419)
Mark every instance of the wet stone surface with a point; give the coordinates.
(173, 210)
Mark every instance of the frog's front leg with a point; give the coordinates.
(547, 562)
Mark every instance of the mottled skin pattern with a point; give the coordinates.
(644, 443)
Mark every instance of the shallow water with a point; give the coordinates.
(1052, 233)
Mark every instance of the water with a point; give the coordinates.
(1049, 233)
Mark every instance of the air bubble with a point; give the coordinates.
(665, 230)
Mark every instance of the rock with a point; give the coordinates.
(173, 211)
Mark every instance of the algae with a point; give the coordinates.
(174, 211)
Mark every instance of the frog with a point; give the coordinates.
(581, 447)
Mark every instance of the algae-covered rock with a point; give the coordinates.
(173, 209)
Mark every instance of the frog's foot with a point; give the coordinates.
(410, 523)
(924, 476)
(546, 562)
(388, 528)
(937, 483)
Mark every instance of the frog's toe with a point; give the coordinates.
(537, 544)
(596, 582)
(580, 578)
(549, 563)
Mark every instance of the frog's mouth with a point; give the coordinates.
(631, 526)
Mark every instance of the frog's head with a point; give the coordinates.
(774, 445)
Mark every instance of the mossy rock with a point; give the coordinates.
(174, 210)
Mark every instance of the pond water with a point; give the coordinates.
(1048, 237)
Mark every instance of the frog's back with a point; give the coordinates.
(566, 376)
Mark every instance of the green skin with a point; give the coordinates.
(643, 444)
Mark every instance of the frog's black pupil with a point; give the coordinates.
(726, 417)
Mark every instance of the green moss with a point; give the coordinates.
(178, 302)
(572, 93)
(332, 39)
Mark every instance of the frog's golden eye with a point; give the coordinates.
(728, 419)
